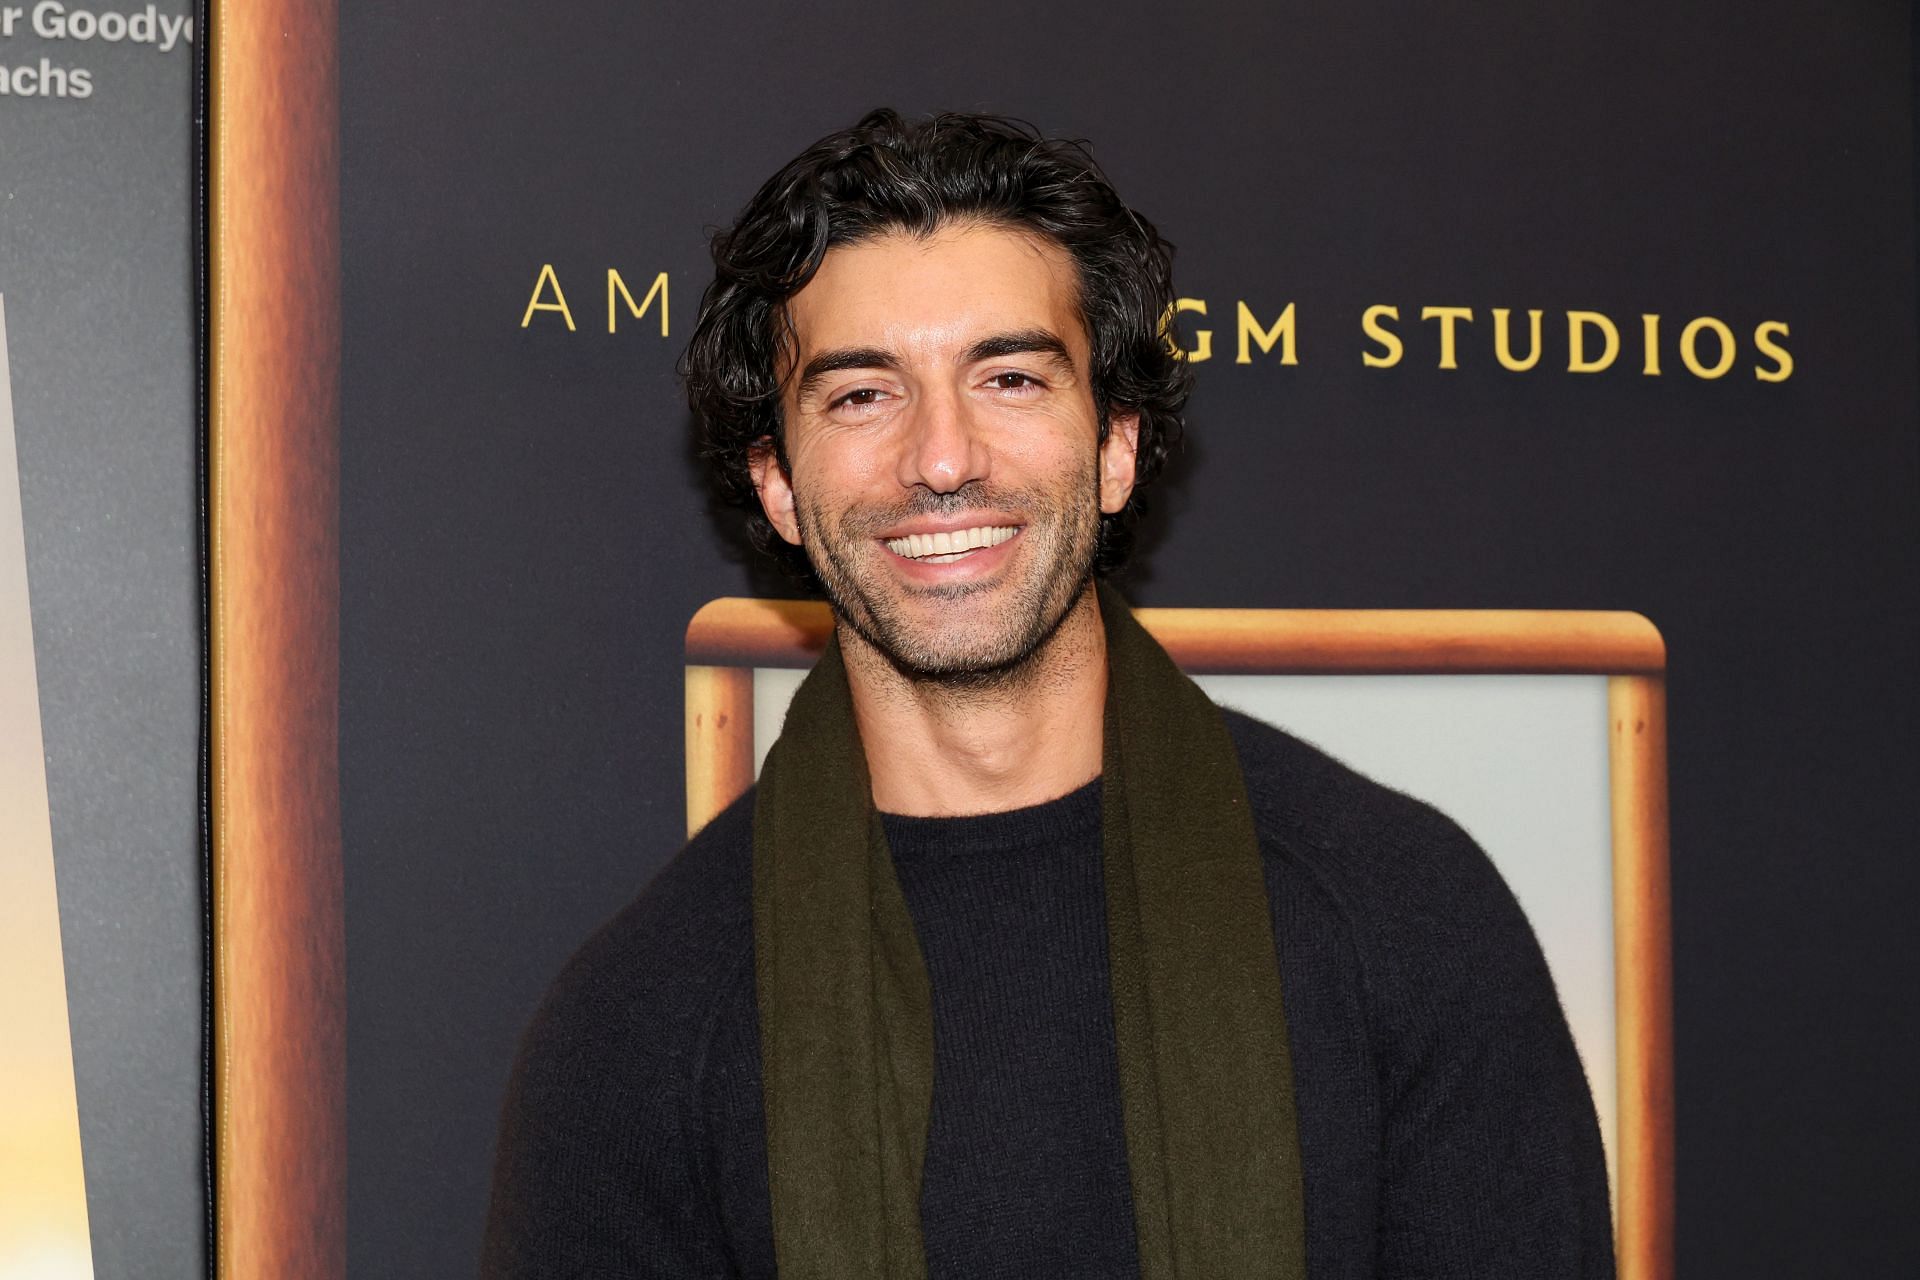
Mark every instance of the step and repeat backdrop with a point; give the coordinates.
(1491, 306)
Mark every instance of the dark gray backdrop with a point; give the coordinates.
(524, 535)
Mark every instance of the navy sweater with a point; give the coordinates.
(1445, 1124)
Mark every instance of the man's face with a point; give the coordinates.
(947, 476)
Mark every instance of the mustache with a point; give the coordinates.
(974, 495)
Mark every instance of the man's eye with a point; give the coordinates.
(859, 398)
(1012, 381)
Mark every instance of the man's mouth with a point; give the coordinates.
(945, 547)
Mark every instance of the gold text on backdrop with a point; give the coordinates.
(1707, 346)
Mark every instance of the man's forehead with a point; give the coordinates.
(932, 294)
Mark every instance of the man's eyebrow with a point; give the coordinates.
(841, 358)
(1020, 342)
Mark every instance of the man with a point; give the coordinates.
(1023, 959)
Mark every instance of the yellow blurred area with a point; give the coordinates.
(47, 1259)
(43, 1192)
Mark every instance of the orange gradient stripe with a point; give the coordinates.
(789, 633)
(279, 955)
(1643, 974)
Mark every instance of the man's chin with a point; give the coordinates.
(941, 641)
(944, 652)
(957, 667)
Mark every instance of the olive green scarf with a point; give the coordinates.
(846, 1020)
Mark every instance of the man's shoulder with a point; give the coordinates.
(602, 1129)
(670, 955)
(1465, 1043)
(1379, 853)
(1427, 919)
(1313, 800)
(702, 898)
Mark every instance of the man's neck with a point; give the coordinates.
(937, 750)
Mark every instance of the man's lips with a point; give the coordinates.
(944, 546)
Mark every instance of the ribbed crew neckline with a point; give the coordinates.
(1073, 817)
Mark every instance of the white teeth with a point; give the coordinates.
(941, 548)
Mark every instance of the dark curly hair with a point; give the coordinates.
(890, 174)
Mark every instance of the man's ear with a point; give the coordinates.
(775, 487)
(1119, 457)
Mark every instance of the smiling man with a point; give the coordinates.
(955, 471)
(1022, 958)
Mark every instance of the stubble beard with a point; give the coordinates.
(1060, 537)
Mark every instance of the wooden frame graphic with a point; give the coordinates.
(728, 638)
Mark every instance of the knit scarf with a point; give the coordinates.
(846, 1016)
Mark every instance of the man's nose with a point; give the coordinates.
(944, 448)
